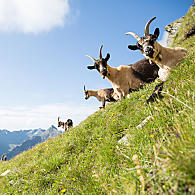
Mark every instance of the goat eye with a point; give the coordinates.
(97, 67)
(139, 46)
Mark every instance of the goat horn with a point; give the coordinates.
(134, 35)
(101, 51)
(84, 89)
(91, 58)
(146, 31)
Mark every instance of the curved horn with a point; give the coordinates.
(134, 35)
(101, 51)
(91, 58)
(84, 89)
(146, 31)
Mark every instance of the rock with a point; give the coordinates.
(5, 173)
(172, 29)
(125, 140)
(144, 122)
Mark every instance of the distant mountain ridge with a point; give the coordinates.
(15, 142)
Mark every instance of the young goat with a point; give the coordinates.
(124, 78)
(102, 95)
(166, 58)
(65, 125)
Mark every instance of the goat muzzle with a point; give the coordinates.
(103, 73)
(149, 52)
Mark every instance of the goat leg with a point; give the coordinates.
(119, 93)
(157, 92)
(103, 104)
(65, 127)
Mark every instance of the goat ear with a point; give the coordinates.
(107, 57)
(132, 47)
(156, 33)
(91, 67)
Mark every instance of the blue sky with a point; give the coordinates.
(43, 44)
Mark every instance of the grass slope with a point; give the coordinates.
(160, 158)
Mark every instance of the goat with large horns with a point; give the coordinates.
(102, 95)
(165, 57)
(124, 78)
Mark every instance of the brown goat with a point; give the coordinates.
(124, 78)
(165, 57)
(65, 125)
(102, 95)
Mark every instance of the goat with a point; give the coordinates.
(65, 125)
(68, 124)
(165, 57)
(124, 78)
(102, 95)
(4, 157)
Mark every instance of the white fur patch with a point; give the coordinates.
(164, 73)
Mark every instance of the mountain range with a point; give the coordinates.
(14, 142)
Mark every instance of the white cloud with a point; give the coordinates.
(42, 116)
(32, 16)
(163, 41)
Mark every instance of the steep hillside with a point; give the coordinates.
(160, 156)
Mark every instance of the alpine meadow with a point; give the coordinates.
(158, 157)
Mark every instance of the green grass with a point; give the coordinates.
(88, 159)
